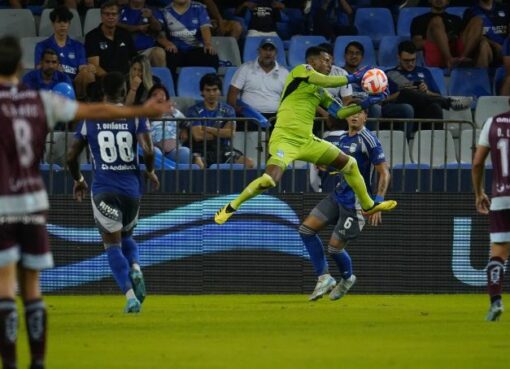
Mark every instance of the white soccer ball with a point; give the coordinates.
(374, 81)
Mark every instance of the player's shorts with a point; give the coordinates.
(433, 56)
(348, 222)
(313, 150)
(25, 239)
(499, 225)
(114, 212)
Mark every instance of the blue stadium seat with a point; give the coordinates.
(470, 82)
(438, 75)
(226, 166)
(388, 50)
(251, 46)
(47, 167)
(229, 73)
(298, 47)
(406, 17)
(188, 83)
(342, 41)
(375, 23)
(166, 78)
(456, 10)
(498, 80)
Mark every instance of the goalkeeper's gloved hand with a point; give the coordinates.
(357, 76)
(373, 99)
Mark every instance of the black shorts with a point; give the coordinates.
(114, 212)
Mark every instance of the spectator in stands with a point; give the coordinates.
(353, 55)
(438, 34)
(165, 131)
(332, 18)
(505, 86)
(139, 80)
(144, 24)
(221, 26)
(189, 28)
(213, 139)
(73, 60)
(48, 75)
(414, 85)
(263, 15)
(17, 4)
(260, 82)
(486, 27)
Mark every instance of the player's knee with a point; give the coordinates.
(109, 245)
(337, 248)
(305, 231)
(349, 166)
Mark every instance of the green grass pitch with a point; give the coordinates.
(274, 331)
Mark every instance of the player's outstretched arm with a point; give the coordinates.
(80, 187)
(145, 141)
(322, 80)
(482, 201)
(150, 109)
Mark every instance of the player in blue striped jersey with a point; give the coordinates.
(342, 209)
(117, 186)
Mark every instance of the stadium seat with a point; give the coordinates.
(183, 103)
(92, 20)
(466, 146)
(437, 74)
(456, 10)
(435, 148)
(166, 78)
(251, 45)
(395, 148)
(28, 48)
(227, 166)
(488, 106)
(228, 52)
(388, 50)
(499, 75)
(470, 82)
(188, 83)
(46, 28)
(459, 116)
(342, 41)
(299, 45)
(57, 145)
(375, 23)
(47, 167)
(229, 73)
(17, 22)
(406, 17)
(247, 142)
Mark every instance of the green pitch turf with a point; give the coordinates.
(274, 331)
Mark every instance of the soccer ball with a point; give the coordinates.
(374, 81)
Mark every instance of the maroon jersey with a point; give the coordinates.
(496, 136)
(26, 116)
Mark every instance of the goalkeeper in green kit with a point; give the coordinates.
(292, 138)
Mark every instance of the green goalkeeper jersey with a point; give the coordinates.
(303, 92)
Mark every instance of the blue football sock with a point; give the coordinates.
(119, 266)
(342, 260)
(315, 249)
(130, 250)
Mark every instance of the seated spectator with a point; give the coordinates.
(144, 24)
(189, 28)
(260, 82)
(332, 18)
(505, 86)
(48, 75)
(486, 27)
(263, 15)
(438, 34)
(353, 55)
(414, 85)
(73, 60)
(220, 26)
(139, 81)
(213, 139)
(164, 130)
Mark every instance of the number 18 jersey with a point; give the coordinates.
(113, 147)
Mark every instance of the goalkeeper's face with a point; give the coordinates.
(321, 63)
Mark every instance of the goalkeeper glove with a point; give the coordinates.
(357, 76)
(373, 99)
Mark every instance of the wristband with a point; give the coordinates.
(378, 198)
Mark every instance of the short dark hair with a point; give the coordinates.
(407, 46)
(113, 84)
(10, 55)
(62, 14)
(210, 79)
(327, 46)
(109, 4)
(49, 51)
(357, 45)
(314, 51)
(158, 86)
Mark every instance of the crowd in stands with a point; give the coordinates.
(411, 40)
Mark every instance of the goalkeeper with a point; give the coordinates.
(292, 138)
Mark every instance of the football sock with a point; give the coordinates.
(315, 249)
(119, 266)
(253, 189)
(355, 180)
(36, 321)
(342, 260)
(130, 250)
(495, 276)
(8, 332)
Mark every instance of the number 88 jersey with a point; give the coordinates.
(113, 148)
